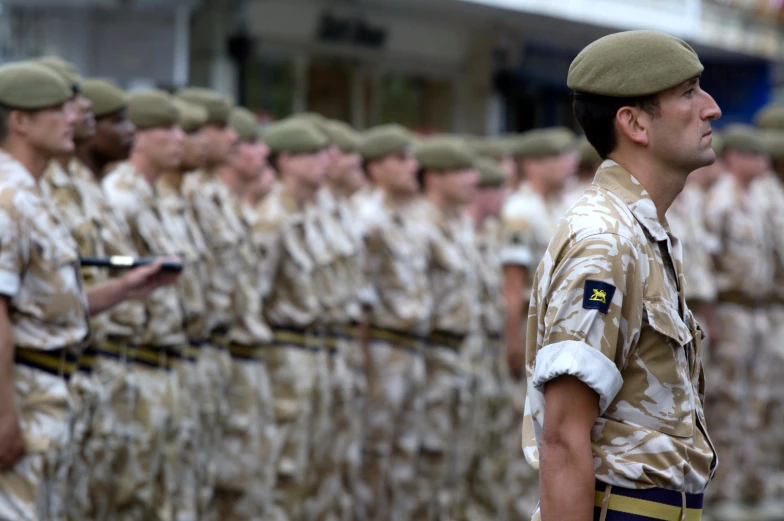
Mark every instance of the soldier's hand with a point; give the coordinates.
(11, 440)
(142, 281)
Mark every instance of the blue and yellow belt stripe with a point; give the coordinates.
(405, 339)
(446, 339)
(297, 338)
(58, 362)
(624, 504)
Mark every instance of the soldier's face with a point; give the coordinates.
(680, 136)
(746, 166)
(263, 183)
(162, 146)
(113, 138)
(400, 171)
(459, 187)
(85, 124)
(343, 167)
(51, 130)
(491, 200)
(248, 160)
(220, 140)
(508, 165)
(193, 150)
(309, 169)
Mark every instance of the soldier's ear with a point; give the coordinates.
(633, 124)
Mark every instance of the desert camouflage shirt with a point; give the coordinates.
(687, 223)
(135, 199)
(180, 224)
(488, 241)
(344, 250)
(452, 270)
(770, 190)
(396, 265)
(744, 262)
(609, 308)
(287, 236)
(207, 197)
(84, 210)
(39, 266)
(529, 222)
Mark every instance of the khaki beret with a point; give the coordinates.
(744, 138)
(341, 135)
(28, 86)
(588, 154)
(67, 70)
(770, 117)
(385, 140)
(295, 136)
(443, 154)
(544, 142)
(152, 109)
(106, 97)
(244, 123)
(774, 143)
(633, 63)
(218, 106)
(494, 148)
(717, 143)
(192, 116)
(491, 175)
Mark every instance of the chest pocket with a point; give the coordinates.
(660, 389)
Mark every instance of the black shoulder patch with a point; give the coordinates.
(598, 295)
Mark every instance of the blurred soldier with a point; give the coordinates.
(340, 300)
(613, 353)
(449, 179)
(529, 219)
(161, 410)
(398, 307)
(101, 382)
(188, 464)
(261, 187)
(586, 170)
(487, 493)
(247, 455)
(45, 310)
(744, 273)
(285, 228)
(499, 150)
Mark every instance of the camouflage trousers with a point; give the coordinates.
(773, 427)
(35, 488)
(246, 457)
(337, 436)
(292, 371)
(215, 373)
(488, 422)
(100, 437)
(738, 381)
(394, 410)
(142, 492)
(438, 475)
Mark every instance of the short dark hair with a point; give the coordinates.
(4, 113)
(596, 115)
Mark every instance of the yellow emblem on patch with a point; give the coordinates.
(599, 296)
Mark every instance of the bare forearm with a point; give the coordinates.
(105, 295)
(566, 482)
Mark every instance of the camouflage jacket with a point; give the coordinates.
(135, 199)
(609, 308)
(39, 266)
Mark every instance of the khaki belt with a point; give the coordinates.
(409, 341)
(294, 337)
(246, 352)
(446, 339)
(60, 362)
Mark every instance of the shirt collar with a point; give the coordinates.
(613, 177)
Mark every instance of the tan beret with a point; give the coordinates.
(244, 123)
(152, 109)
(770, 117)
(295, 137)
(774, 143)
(717, 143)
(633, 63)
(541, 143)
(192, 116)
(106, 97)
(218, 106)
(743, 138)
(65, 69)
(28, 86)
(491, 175)
(341, 135)
(494, 148)
(385, 140)
(443, 154)
(588, 154)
